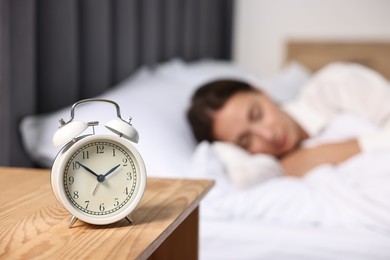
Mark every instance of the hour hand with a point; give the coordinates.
(111, 171)
(87, 169)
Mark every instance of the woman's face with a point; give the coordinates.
(253, 121)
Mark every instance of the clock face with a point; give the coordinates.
(102, 179)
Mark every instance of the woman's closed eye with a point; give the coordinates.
(255, 112)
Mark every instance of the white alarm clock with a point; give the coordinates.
(98, 178)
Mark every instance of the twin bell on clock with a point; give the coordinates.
(98, 178)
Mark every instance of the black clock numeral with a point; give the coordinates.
(113, 152)
(85, 155)
(100, 149)
(116, 203)
(129, 177)
(71, 180)
(124, 160)
(76, 195)
(86, 204)
(101, 207)
(126, 191)
(75, 165)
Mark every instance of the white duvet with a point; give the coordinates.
(349, 201)
(251, 239)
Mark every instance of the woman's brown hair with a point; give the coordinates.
(208, 99)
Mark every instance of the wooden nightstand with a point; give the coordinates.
(34, 224)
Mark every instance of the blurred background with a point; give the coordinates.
(55, 52)
(263, 27)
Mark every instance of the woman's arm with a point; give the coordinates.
(302, 160)
(341, 88)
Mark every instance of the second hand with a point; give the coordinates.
(96, 188)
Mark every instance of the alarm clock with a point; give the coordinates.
(98, 178)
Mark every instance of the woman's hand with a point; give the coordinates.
(302, 160)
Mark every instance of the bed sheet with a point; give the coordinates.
(236, 239)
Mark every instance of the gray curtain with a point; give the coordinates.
(55, 52)
(17, 78)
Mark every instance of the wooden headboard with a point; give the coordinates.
(315, 55)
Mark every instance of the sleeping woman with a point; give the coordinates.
(236, 112)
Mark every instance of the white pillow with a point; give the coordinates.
(244, 169)
(282, 87)
(156, 105)
(156, 99)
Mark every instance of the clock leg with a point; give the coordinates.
(129, 218)
(72, 221)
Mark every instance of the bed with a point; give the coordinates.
(333, 213)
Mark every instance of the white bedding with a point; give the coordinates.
(251, 239)
(334, 212)
(338, 212)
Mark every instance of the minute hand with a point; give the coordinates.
(88, 170)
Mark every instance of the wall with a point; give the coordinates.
(262, 27)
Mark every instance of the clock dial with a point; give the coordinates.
(98, 178)
(101, 178)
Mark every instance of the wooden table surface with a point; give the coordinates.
(34, 224)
